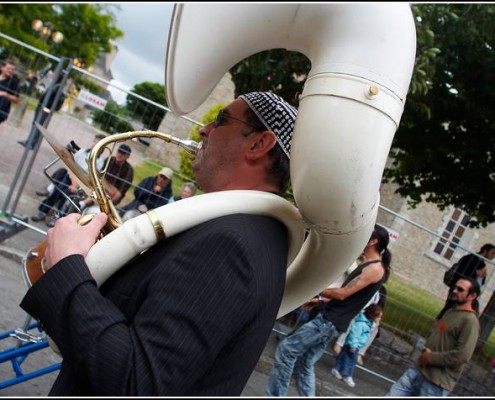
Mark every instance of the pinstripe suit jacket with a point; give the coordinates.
(188, 317)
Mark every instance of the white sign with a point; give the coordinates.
(92, 99)
(392, 235)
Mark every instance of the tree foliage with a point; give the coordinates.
(277, 71)
(88, 29)
(150, 115)
(112, 119)
(443, 149)
(446, 156)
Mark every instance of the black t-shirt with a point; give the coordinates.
(341, 312)
(11, 86)
(467, 267)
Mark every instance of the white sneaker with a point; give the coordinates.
(336, 373)
(349, 381)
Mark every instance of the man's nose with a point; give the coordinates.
(205, 130)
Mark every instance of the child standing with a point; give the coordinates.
(359, 334)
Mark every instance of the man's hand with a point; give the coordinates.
(67, 237)
(112, 191)
(424, 358)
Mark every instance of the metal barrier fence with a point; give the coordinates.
(416, 271)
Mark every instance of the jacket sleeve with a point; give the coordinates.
(175, 336)
(144, 188)
(358, 334)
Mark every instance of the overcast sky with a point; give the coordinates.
(141, 54)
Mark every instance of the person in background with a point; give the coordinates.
(118, 177)
(300, 351)
(42, 113)
(359, 334)
(448, 348)
(68, 105)
(191, 315)
(470, 266)
(151, 192)
(9, 88)
(63, 182)
(378, 298)
(188, 190)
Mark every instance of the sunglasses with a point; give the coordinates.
(459, 289)
(222, 116)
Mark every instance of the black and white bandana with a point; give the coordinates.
(276, 114)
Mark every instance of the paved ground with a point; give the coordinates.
(23, 201)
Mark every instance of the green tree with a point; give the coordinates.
(112, 119)
(88, 29)
(149, 114)
(445, 156)
(442, 151)
(277, 71)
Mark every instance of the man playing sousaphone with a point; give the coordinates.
(191, 315)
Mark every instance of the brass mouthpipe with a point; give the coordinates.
(99, 194)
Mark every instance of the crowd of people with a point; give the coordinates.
(63, 194)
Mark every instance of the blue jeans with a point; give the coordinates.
(414, 383)
(299, 352)
(346, 361)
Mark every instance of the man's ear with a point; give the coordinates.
(372, 242)
(261, 144)
(473, 296)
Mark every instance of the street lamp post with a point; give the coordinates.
(45, 29)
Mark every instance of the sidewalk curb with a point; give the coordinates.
(13, 254)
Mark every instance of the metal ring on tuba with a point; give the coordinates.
(362, 57)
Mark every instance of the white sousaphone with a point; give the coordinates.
(362, 57)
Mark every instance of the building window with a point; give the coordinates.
(453, 233)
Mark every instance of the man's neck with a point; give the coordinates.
(466, 306)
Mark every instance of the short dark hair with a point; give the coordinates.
(10, 61)
(487, 247)
(373, 310)
(475, 286)
(280, 168)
